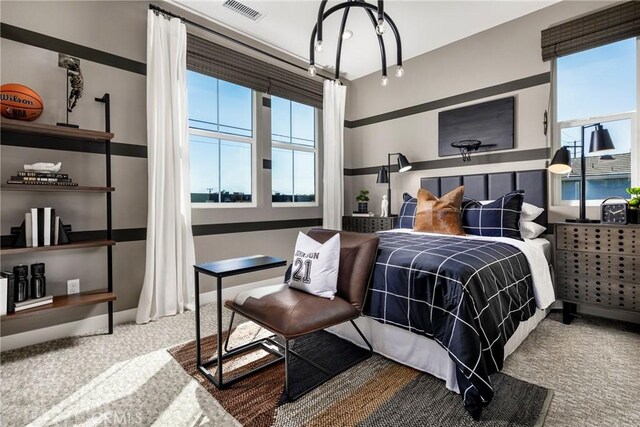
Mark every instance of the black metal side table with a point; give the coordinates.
(226, 268)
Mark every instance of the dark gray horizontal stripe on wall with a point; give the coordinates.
(138, 234)
(486, 92)
(43, 41)
(456, 162)
(52, 143)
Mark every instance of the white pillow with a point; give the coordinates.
(315, 266)
(530, 230)
(529, 211)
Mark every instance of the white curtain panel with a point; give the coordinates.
(168, 281)
(333, 171)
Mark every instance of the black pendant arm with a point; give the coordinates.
(380, 11)
(396, 33)
(312, 52)
(323, 5)
(383, 50)
(343, 24)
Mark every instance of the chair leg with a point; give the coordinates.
(363, 338)
(286, 369)
(226, 341)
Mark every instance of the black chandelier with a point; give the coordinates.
(379, 23)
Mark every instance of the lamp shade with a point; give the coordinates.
(600, 140)
(561, 162)
(383, 177)
(403, 164)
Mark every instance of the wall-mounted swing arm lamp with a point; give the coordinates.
(384, 173)
(379, 19)
(561, 163)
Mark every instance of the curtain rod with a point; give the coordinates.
(229, 38)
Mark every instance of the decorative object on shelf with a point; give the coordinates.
(38, 281)
(43, 167)
(21, 286)
(384, 173)
(561, 163)
(384, 207)
(363, 198)
(491, 122)
(466, 146)
(75, 80)
(379, 20)
(614, 213)
(20, 102)
(7, 289)
(634, 205)
(34, 302)
(45, 230)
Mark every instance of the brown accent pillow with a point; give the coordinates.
(441, 215)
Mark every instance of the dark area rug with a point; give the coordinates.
(375, 392)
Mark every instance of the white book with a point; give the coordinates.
(27, 230)
(56, 233)
(4, 283)
(47, 226)
(34, 227)
(35, 304)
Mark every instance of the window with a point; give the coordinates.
(222, 138)
(293, 152)
(599, 85)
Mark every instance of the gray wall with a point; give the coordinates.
(117, 28)
(500, 55)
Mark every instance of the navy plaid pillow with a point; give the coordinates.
(500, 218)
(407, 215)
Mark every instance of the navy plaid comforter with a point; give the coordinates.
(468, 295)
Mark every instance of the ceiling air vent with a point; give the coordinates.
(243, 10)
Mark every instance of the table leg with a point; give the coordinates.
(219, 316)
(197, 291)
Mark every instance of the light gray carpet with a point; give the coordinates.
(591, 365)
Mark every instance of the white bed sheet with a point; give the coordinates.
(425, 354)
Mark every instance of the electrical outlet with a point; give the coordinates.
(73, 286)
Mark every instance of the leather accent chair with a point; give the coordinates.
(291, 313)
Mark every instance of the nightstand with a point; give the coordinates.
(368, 224)
(597, 264)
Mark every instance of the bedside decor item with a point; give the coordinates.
(384, 207)
(75, 80)
(379, 20)
(634, 205)
(614, 213)
(21, 284)
(384, 174)
(439, 215)
(491, 122)
(561, 163)
(362, 198)
(20, 102)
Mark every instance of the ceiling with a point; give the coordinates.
(423, 26)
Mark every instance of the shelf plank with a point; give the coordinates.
(17, 126)
(56, 188)
(74, 245)
(64, 301)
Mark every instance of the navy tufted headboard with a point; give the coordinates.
(489, 186)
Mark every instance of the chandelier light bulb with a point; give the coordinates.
(380, 28)
(312, 70)
(347, 35)
(319, 47)
(384, 81)
(399, 71)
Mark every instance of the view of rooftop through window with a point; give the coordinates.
(598, 86)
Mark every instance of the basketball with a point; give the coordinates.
(20, 102)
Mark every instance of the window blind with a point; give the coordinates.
(596, 29)
(217, 61)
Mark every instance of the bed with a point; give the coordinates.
(457, 306)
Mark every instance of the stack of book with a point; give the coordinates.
(35, 302)
(363, 214)
(41, 227)
(42, 178)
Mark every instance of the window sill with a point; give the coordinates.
(295, 205)
(223, 205)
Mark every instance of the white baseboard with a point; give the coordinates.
(90, 324)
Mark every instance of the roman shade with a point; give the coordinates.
(596, 29)
(217, 61)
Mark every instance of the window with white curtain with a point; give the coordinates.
(293, 153)
(223, 142)
(598, 85)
